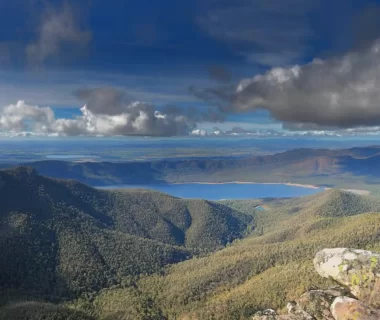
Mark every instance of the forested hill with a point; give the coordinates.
(267, 269)
(317, 166)
(62, 238)
(73, 252)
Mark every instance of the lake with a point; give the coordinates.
(68, 156)
(236, 191)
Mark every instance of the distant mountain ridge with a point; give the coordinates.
(318, 166)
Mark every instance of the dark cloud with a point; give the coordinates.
(209, 114)
(113, 101)
(58, 30)
(219, 73)
(340, 92)
(221, 96)
(104, 100)
(366, 26)
(264, 31)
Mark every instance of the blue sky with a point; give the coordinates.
(153, 51)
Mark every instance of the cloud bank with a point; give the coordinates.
(137, 119)
(340, 92)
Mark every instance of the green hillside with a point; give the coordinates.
(73, 252)
(40, 311)
(60, 239)
(267, 269)
(196, 224)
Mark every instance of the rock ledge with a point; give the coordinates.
(356, 298)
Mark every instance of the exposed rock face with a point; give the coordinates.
(357, 270)
(344, 308)
(268, 314)
(318, 302)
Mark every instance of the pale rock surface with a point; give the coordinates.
(359, 273)
(344, 308)
(359, 270)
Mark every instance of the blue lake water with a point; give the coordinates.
(225, 191)
(68, 156)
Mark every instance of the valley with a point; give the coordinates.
(190, 160)
(135, 254)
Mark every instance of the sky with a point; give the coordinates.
(174, 67)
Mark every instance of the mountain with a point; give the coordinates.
(267, 269)
(61, 238)
(340, 203)
(342, 168)
(73, 252)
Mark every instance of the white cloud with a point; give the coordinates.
(137, 119)
(23, 120)
(21, 117)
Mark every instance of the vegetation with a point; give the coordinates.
(121, 255)
(40, 311)
(65, 239)
(266, 269)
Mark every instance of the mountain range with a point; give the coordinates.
(345, 168)
(73, 252)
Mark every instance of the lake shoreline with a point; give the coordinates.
(309, 186)
(205, 186)
(291, 184)
(233, 190)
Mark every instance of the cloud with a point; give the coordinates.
(266, 133)
(219, 73)
(136, 118)
(366, 26)
(59, 28)
(104, 100)
(264, 31)
(22, 117)
(139, 119)
(300, 126)
(340, 92)
(114, 101)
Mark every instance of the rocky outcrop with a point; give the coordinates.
(344, 308)
(357, 298)
(358, 270)
(268, 314)
(318, 302)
